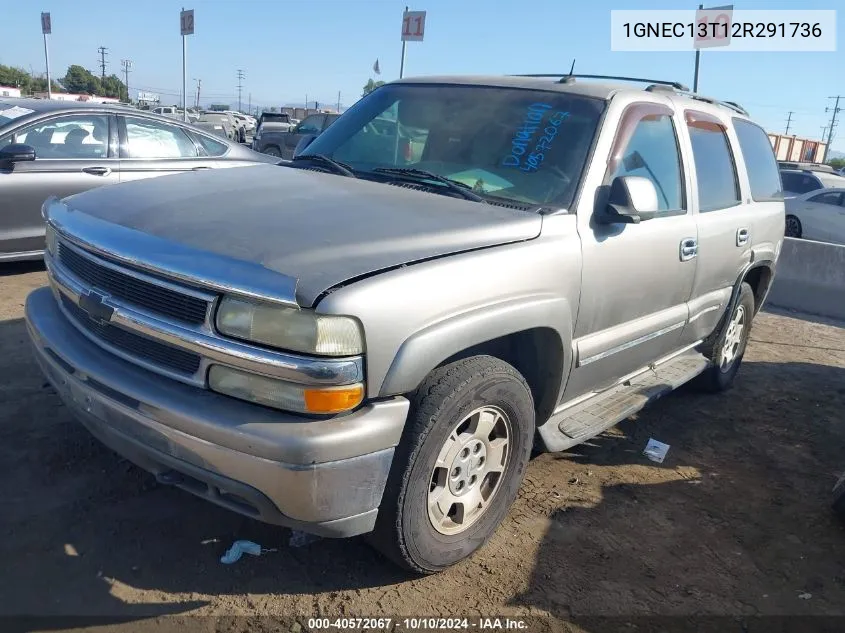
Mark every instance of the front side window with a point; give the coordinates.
(76, 136)
(154, 139)
(652, 153)
(714, 165)
(311, 125)
(528, 146)
(760, 162)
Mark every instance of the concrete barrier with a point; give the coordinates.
(810, 278)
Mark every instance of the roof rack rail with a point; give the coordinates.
(567, 78)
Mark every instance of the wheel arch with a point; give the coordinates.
(534, 336)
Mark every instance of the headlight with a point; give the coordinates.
(52, 240)
(290, 328)
(284, 395)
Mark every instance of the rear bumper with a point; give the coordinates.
(321, 476)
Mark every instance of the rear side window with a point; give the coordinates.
(714, 165)
(759, 160)
(796, 182)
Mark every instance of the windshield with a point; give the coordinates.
(10, 112)
(528, 146)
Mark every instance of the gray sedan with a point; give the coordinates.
(55, 148)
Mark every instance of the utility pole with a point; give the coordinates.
(127, 68)
(197, 99)
(338, 101)
(835, 110)
(824, 131)
(788, 121)
(249, 109)
(241, 77)
(103, 51)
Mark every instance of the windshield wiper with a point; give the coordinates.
(417, 174)
(336, 166)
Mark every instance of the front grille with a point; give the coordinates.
(137, 346)
(141, 293)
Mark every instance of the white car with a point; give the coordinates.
(818, 215)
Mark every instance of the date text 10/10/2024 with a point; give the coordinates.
(419, 624)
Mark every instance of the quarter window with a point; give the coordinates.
(153, 139)
(652, 153)
(714, 165)
(212, 147)
(833, 198)
(759, 161)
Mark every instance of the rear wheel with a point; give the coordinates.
(793, 226)
(727, 352)
(272, 150)
(459, 465)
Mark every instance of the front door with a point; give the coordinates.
(72, 154)
(636, 278)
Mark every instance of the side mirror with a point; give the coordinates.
(304, 142)
(632, 199)
(17, 153)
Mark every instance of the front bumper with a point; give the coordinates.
(322, 476)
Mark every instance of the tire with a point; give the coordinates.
(793, 227)
(729, 348)
(272, 150)
(447, 413)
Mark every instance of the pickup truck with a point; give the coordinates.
(373, 338)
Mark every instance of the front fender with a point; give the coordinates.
(426, 349)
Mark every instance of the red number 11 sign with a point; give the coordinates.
(413, 26)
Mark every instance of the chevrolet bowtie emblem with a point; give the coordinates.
(94, 305)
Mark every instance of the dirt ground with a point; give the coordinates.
(735, 522)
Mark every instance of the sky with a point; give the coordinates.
(318, 48)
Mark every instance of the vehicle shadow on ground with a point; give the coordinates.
(738, 525)
(795, 314)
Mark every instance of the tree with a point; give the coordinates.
(113, 87)
(78, 79)
(836, 163)
(370, 86)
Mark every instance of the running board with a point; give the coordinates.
(588, 418)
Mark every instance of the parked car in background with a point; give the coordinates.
(369, 340)
(807, 179)
(267, 121)
(58, 148)
(818, 215)
(283, 144)
(216, 124)
(173, 112)
(243, 121)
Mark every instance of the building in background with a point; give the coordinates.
(796, 149)
(8, 91)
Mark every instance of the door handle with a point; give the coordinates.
(97, 171)
(689, 248)
(742, 236)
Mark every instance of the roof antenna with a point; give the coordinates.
(572, 68)
(568, 78)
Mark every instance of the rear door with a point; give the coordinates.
(74, 153)
(151, 147)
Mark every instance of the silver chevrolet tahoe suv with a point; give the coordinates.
(373, 337)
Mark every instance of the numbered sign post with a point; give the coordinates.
(186, 27)
(712, 28)
(46, 29)
(413, 30)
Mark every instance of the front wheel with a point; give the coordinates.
(459, 465)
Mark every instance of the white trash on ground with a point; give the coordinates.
(656, 451)
(239, 548)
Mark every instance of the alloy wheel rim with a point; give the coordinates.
(469, 470)
(733, 339)
(792, 227)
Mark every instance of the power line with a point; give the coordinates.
(835, 110)
(103, 51)
(788, 121)
(127, 68)
(241, 77)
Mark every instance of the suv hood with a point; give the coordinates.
(317, 228)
